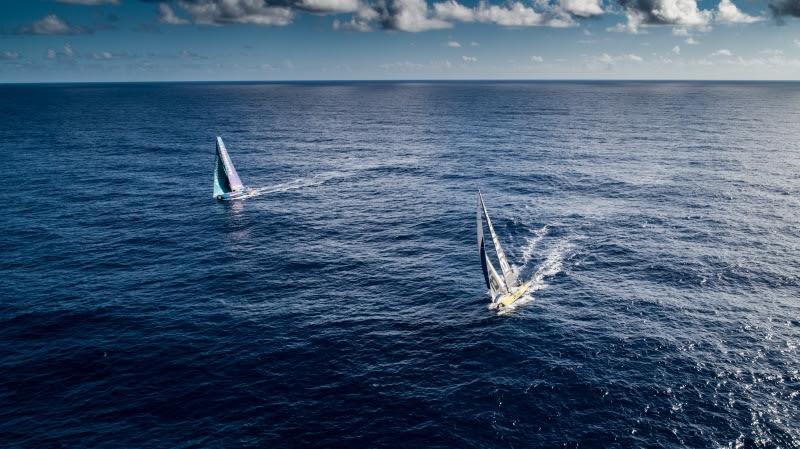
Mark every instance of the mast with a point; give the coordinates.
(508, 274)
(493, 280)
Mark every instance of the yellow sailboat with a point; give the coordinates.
(506, 289)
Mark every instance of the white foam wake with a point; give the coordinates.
(299, 183)
(531, 244)
(552, 265)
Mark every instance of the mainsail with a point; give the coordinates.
(509, 276)
(226, 180)
(493, 280)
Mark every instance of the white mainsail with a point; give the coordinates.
(493, 280)
(509, 275)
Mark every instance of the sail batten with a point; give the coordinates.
(509, 276)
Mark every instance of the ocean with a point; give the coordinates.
(343, 305)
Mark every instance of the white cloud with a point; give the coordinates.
(691, 41)
(103, 55)
(537, 59)
(67, 53)
(168, 16)
(359, 22)
(8, 55)
(452, 10)
(605, 58)
(676, 49)
(680, 31)
(797, 42)
(513, 14)
(453, 44)
(682, 13)
(722, 52)
(727, 12)
(329, 6)
(220, 12)
(582, 8)
(52, 24)
(469, 59)
(414, 16)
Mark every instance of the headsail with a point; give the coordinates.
(226, 180)
(493, 280)
(508, 274)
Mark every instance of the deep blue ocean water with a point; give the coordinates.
(343, 305)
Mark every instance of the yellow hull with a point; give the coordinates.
(512, 297)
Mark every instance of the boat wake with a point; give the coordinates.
(299, 183)
(552, 265)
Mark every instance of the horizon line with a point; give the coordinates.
(420, 80)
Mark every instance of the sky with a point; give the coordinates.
(219, 40)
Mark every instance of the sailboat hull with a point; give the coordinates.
(512, 297)
(230, 196)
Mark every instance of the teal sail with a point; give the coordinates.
(226, 179)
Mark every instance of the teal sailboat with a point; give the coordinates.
(227, 185)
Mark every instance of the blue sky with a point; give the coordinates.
(142, 40)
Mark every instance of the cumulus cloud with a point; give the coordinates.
(691, 41)
(676, 49)
(684, 13)
(360, 22)
(469, 59)
(513, 14)
(452, 10)
(722, 52)
(89, 2)
(9, 55)
(103, 55)
(221, 12)
(412, 16)
(329, 6)
(727, 12)
(582, 8)
(67, 53)
(537, 59)
(605, 58)
(453, 44)
(168, 16)
(52, 24)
